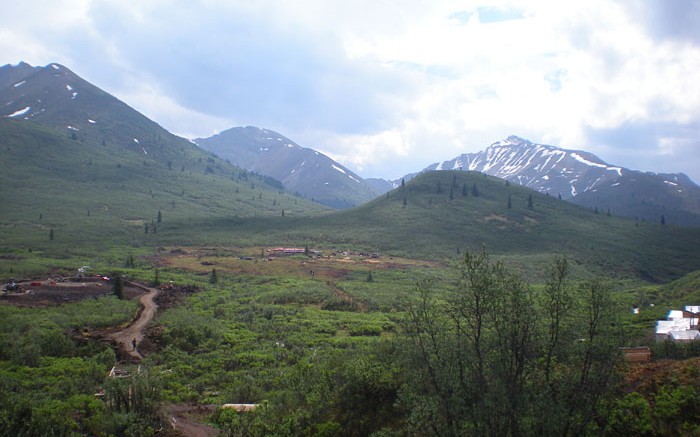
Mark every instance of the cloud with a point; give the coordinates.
(389, 86)
(238, 65)
(669, 19)
(652, 146)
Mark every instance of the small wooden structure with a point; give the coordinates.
(239, 407)
(640, 354)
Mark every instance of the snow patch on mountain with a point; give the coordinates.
(20, 112)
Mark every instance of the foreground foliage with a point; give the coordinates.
(475, 350)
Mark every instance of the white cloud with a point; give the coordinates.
(388, 86)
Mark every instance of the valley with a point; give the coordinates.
(456, 302)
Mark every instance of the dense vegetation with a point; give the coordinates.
(356, 348)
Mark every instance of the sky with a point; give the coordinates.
(388, 87)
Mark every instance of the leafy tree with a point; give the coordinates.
(497, 358)
(475, 190)
(51, 234)
(631, 416)
(160, 217)
(213, 277)
(529, 201)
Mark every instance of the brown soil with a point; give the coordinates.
(129, 338)
(62, 292)
(187, 420)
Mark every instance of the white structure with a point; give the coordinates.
(689, 335)
(680, 325)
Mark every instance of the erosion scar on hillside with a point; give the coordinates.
(130, 337)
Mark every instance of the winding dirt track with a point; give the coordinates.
(125, 338)
(179, 415)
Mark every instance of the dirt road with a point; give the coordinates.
(130, 337)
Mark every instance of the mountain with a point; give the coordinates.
(382, 185)
(584, 179)
(80, 162)
(307, 172)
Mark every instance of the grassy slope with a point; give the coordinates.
(97, 193)
(430, 225)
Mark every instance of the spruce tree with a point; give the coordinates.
(475, 191)
(118, 286)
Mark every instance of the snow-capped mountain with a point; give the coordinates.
(55, 96)
(585, 179)
(301, 170)
(543, 168)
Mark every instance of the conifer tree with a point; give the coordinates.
(118, 286)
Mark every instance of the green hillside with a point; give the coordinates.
(98, 193)
(430, 217)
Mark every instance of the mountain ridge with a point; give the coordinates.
(301, 170)
(585, 179)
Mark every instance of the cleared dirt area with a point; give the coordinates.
(51, 293)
